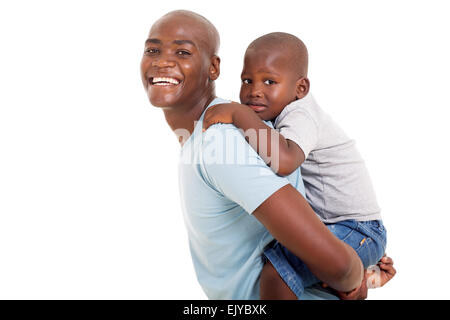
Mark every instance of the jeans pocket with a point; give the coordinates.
(375, 245)
(356, 239)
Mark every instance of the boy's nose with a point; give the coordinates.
(256, 92)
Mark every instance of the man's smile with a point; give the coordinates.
(163, 81)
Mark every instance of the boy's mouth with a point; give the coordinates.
(257, 107)
(163, 81)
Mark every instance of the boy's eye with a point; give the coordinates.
(246, 81)
(268, 81)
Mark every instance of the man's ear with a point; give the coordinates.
(302, 87)
(214, 68)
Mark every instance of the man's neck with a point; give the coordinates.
(182, 118)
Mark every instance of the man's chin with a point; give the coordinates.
(159, 104)
(163, 101)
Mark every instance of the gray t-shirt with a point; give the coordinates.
(337, 183)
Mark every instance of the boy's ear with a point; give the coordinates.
(214, 68)
(302, 87)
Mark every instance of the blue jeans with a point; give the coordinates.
(368, 238)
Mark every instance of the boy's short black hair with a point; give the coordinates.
(296, 51)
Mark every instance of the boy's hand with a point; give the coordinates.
(221, 113)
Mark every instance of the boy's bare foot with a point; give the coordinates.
(374, 277)
(381, 273)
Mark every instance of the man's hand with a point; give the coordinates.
(221, 113)
(359, 293)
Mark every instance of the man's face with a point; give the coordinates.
(268, 84)
(174, 68)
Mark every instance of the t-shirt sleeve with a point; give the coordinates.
(299, 126)
(235, 170)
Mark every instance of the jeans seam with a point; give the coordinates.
(374, 236)
(370, 233)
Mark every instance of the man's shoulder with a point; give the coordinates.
(224, 141)
(221, 129)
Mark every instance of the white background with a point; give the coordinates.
(89, 205)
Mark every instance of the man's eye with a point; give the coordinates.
(183, 53)
(246, 81)
(151, 50)
(268, 81)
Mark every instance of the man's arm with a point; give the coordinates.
(278, 206)
(282, 155)
(291, 220)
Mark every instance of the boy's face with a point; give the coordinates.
(268, 84)
(174, 68)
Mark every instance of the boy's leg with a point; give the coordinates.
(284, 275)
(272, 287)
(367, 238)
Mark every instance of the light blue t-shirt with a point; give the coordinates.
(222, 181)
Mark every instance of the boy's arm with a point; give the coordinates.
(282, 155)
(290, 219)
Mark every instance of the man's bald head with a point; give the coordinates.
(294, 49)
(181, 46)
(207, 32)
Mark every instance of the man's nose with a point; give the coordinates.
(163, 63)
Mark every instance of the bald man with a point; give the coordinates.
(233, 204)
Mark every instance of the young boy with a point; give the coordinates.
(275, 87)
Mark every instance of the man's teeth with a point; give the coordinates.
(164, 81)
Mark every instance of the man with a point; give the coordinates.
(231, 208)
